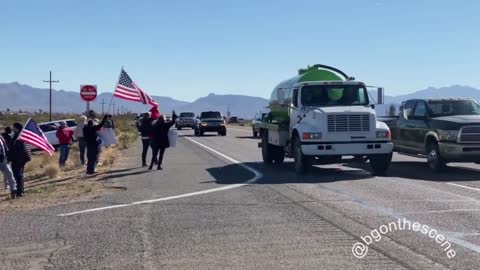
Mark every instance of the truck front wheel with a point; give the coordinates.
(301, 162)
(380, 163)
(434, 159)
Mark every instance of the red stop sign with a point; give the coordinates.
(88, 92)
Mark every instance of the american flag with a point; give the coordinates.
(32, 134)
(127, 89)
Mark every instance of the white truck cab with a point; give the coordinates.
(317, 117)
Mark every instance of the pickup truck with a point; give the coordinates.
(210, 121)
(443, 130)
(186, 119)
(259, 117)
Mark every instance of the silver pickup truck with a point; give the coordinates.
(185, 119)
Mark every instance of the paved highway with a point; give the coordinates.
(216, 206)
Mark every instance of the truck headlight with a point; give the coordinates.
(448, 135)
(312, 135)
(384, 134)
(204, 124)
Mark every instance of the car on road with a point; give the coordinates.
(211, 121)
(50, 130)
(443, 130)
(185, 119)
(259, 117)
(233, 120)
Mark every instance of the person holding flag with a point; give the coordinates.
(20, 153)
(160, 141)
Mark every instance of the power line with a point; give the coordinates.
(103, 103)
(50, 103)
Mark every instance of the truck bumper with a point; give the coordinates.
(186, 125)
(347, 149)
(460, 152)
(213, 128)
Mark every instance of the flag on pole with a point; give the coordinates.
(33, 135)
(127, 89)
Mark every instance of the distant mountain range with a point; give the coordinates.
(16, 96)
(442, 92)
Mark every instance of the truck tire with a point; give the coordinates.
(302, 163)
(380, 163)
(434, 159)
(267, 154)
(255, 134)
(279, 154)
(179, 128)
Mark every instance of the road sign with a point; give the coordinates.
(88, 92)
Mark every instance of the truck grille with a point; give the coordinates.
(470, 134)
(348, 122)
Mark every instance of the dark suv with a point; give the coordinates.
(444, 130)
(210, 122)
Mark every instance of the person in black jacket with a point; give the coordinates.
(145, 129)
(90, 136)
(19, 155)
(8, 136)
(159, 139)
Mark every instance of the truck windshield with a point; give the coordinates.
(334, 95)
(453, 107)
(186, 114)
(210, 115)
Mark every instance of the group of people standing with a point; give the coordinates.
(154, 132)
(14, 155)
(89, 141)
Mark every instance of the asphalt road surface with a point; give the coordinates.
(216, 206)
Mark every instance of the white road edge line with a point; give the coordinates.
(462, 186)
(240, 129)
(257, 176)
(442, 211)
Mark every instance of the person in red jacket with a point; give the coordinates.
(64, 135)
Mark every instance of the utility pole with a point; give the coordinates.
(103, 103)
(113, 111)
(50, 103)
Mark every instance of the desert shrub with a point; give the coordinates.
(108, 156)
(52, 170)
(74, 148)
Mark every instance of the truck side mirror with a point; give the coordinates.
(281, 96)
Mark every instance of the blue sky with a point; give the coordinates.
(187, 49)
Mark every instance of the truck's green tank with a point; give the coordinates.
(279, 113)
